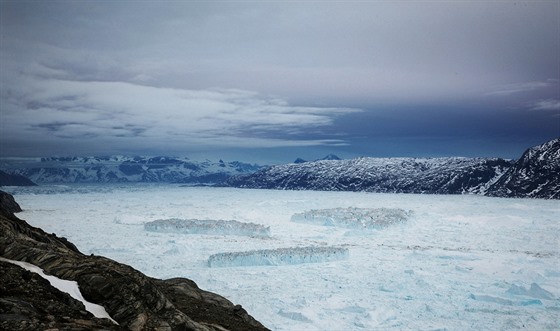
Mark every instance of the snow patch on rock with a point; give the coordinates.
(67, 286)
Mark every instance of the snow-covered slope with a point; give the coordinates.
(535, 175)
(126, 169)
(396, 175)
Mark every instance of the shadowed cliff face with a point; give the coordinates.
(8, 204)
(14, 180)
(134, 300)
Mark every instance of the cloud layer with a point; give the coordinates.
(117, 112)
(112, 77)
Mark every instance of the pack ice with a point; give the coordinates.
(278, 256)
(459, 262)
(219, 227)
(362, 218)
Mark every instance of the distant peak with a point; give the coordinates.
(299, 160)
(331, 157)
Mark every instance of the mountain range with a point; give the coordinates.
(536, 174)
(111, 169)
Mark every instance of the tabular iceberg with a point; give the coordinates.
(218, 227)
(278, 256)
(362, 218)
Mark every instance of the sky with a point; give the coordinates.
(271, 81)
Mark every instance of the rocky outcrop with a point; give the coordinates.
(29, 302)
(8, 204)
(535, 175)
(14, 180)
(135, 301)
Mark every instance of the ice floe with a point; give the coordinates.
(362, 218)
(218, 227)
(278, 256)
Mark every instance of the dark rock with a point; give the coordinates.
(135, 301)
(8, 204)
(26, 296)
(207, 307)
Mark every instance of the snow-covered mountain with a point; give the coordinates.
(327, 157)
(398, 175)
(535, 175)
(126, 169)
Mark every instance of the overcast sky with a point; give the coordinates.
(272, 81)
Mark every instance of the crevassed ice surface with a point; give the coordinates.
(458, 263)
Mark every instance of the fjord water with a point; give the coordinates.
(459, 262)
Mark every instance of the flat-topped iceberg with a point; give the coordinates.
(362, 218)
(215, 227)
(278, 256)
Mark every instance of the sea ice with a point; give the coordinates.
(219, 227)
(278, 256)
(534, 291)
(505, 302)
(414, 276)
(362, 218)
(294, 316)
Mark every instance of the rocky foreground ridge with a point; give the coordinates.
(135, 301)
(535, 175)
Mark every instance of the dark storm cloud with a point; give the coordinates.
(200, 76)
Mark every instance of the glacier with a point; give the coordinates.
(361, 218)
(218, 227)
(459, 262)
(278, 256)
